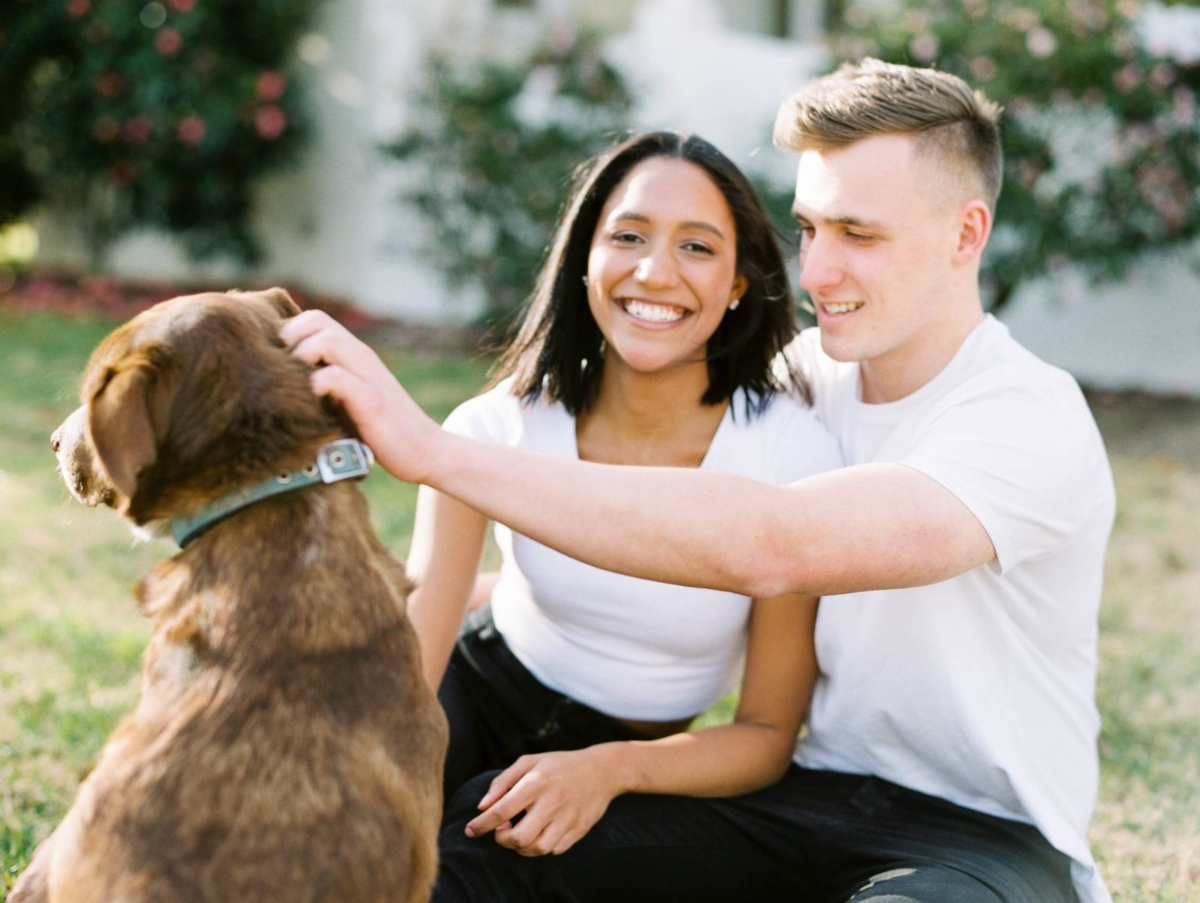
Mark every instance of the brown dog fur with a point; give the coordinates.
(285, 747)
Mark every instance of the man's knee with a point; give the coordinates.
(924, 884)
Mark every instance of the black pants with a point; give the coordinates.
(814, 837)
(498, 711)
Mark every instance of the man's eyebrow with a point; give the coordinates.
(855, 221)
(690, 224)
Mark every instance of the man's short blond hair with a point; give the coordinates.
(955, 125)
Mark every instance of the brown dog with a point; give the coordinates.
(285, 747)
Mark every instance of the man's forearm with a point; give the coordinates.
(675, 525)
(872, 526)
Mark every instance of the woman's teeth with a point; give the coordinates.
(842, 308)
(657, 313)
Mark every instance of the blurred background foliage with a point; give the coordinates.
(166, 118)
(1101, 133)
(492, 148)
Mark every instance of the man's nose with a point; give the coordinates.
(820, 268)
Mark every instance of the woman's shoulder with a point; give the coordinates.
(497, 415)
(797, 443)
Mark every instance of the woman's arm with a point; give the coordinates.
(443, 559)
(563, 794)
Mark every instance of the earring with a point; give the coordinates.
(733, 305)
(585, 281)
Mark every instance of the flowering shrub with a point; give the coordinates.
(1101, 133)
(491, 149)
(148, 114)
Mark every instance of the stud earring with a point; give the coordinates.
(733, 305)
(585, 282)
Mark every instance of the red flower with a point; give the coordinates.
(270, 122)
(122, 172)
(137, 129)
(108, 84)
(181, 6)
(168, 41)
(191, 130)
(106, 129)
(270, 86)
(77, 9)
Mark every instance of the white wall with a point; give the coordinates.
(1141, 333)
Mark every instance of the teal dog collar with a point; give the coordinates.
(343, 459)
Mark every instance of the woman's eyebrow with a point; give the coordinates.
(690, 224)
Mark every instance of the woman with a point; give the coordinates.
(650, 341)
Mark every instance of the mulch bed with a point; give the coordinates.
(117, 300)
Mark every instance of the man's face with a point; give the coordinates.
(879, 231)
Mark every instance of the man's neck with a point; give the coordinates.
(905, 369)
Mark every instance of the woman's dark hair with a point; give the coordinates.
(557, 350)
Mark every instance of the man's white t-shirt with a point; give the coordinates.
(979, 689)
(628, 647)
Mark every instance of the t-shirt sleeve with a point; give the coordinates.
(490, 417)
(1027, 460)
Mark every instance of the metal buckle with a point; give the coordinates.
(344, 459)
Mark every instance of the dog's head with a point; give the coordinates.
(189, 400)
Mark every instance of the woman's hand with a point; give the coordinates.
(388, 420)
(562, 794)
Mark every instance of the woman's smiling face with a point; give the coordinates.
(662, 268)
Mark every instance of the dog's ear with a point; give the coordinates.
(281, 301)
(127, 416)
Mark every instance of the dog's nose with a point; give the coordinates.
(56, 439)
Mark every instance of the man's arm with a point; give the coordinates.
(866, 527)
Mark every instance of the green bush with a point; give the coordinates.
(491, 150)
(1100, 132)
(159, 114)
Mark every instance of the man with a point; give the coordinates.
(950, 752)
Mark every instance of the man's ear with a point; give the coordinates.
(975, 225)
(127, 418)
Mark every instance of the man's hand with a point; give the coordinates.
(388, 420)
(562, 794)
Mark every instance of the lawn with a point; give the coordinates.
(71, 639)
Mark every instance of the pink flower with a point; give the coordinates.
(182, 6)
(137, 129)
(1127, 78)
(983, 68)
(168, 41)
(1183, 107)
(1041, 43)
(269, 122)
(924, 47)
(269, 86)
(1163, 75)
(77, 9)
(106, 129)
(191, 130)
(108, 84)
(122, 172)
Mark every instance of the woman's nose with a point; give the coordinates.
(655, 269)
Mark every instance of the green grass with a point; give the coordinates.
(71, 638)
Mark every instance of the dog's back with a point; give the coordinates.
(285, 746)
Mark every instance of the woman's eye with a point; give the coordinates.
(697, 247)
(626, 237)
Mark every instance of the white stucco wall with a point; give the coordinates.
(1140, 333)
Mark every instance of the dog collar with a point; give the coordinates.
(342, 459)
